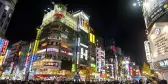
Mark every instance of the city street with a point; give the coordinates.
(70, 42)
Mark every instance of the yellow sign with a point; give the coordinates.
(1, 60)
(92, 38)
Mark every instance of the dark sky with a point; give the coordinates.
(116, 19)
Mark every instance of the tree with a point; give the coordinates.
(146, 70)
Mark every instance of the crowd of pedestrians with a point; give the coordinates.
(54, 82)
(149, 81)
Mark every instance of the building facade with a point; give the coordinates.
(11, 62)
(156, 18)
(62, 43)
(100, 59)
(7, 8)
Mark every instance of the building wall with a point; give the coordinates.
(6, 8)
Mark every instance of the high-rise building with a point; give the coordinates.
(63, 42)
(6, 9)
(100, 59)
(92, 48)
(15, 59)
(156, 46)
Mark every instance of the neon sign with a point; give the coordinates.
(51, 64)
(58, 9)
(65, 46)
(66, 52)
(83, 21)
(84, 54)
(92, 38)
(48, 50)
(4, 47)
(44, 44)
(73, 68)
(164, 63)
(1, 43)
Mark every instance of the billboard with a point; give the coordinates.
(153, 9)
(158, 38)
(83, 23)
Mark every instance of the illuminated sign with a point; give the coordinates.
(84, 53)
(48, 18)
(4, 47)
(70, 21)
(92, 38)
(1, 60)
(147, 50)
(51, 64)
(100, 62)
(54, 37)
(48, 50)
(83, 21)
(73, 68)
(158, 42)
(44, 44)
(163, 63)
(131, 72)
(64, 36)
(83, 45)
(65, 46)
(66, 52)
(59, 9)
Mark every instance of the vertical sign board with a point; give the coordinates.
(4, 47)
(1, 43)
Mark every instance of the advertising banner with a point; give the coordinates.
(153, 9)
(4, 47)
(1, 43)
(158, 38)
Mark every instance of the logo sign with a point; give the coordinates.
(59, 10)
(84, 53)
(164, 63)
(157, 31)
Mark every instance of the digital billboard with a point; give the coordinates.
(158, 38)
(153, 9)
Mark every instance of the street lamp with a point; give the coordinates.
(134, 4)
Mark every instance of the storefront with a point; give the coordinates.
(161, 69)
(158, 42)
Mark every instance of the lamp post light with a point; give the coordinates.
(134, 4)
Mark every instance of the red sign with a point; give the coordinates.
(113, 48)
(4, 46)
(65, 46)
(65, 52)
(51, 64)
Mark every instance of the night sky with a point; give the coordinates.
(116, 19)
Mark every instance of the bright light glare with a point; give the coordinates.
(146, 5)
(134, 4)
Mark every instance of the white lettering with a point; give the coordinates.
(84, 54)
(84, 45)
